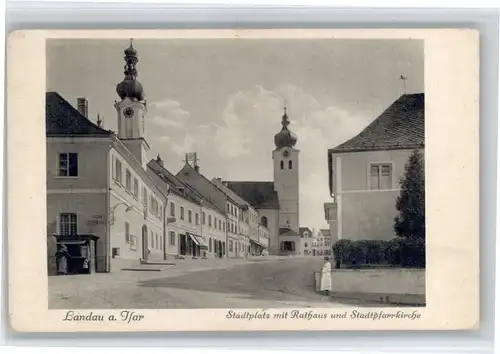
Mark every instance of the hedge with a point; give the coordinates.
(400, 251)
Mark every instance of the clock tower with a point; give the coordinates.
(286, 175)
(132, 109)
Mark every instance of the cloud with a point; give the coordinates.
(250, 119)
(237, 144)
(167, 114)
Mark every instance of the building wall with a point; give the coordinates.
(90, 209)
(233, 225)
(84, 195)
(127, 206)
(272, 216)
(216, 231)
(181, 224)
(286, 183)
(364, 213)
(368, 215)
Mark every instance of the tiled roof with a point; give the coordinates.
(230, 193)
(285, 231)
(63, 119)
(176, 186)
(260, 195)
(203, 186)
(401, 126)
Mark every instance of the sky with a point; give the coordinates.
(224, 98)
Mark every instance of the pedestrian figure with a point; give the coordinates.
(62, 257)
(326, 277)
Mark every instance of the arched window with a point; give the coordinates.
(263, 221)
(290, 164)
(282, 164)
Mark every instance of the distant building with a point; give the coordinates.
(248, 222)
(277, 202)
(364, 172)
(306, 241)
(189, 234)
(326, 241)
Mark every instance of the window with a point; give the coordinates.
(197, 219)
(230, 246)
(224, 226)
(228, 208)
(203, 218)
(172, 209)
(136, 187)
(290, 164)
(127, 232)
(210, 220)
(172, 238)
(190, 216)
(118, 171)
(282, 164)
(182, 213)
(215, 222)
(305, 244)
(210, 245)
(144, 196)
(67, 224)
(128, 180)
(152, 240)
(263, 221)
(220, 224)
(380, 176)
(157, 243)
(68, 165)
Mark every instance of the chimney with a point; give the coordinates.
(197, 168)
(83, 106)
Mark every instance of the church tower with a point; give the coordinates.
(132, 109)
(286, 175)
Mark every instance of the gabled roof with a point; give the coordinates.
(231, 194)
(260, 195)
(203, 186)
(175, 185)
(304, 229)
(401, 126)
(62, 119)
(285, 231)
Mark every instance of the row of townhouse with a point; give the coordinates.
(126, 209)
(111, 207)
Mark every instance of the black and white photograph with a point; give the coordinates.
(235, 173)
(243, 180)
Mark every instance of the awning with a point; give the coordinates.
(71, 242)
(194, 238)
(198, 240)
(257, 243)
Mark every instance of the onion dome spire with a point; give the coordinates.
(130, 87)
(285, 138)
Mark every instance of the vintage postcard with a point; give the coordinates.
(242, 180)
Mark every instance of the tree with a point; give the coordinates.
(410, 223)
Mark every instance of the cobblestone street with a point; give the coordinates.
(228, 283)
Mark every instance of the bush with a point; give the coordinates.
(400, 251)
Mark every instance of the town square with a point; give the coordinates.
(272, 199)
